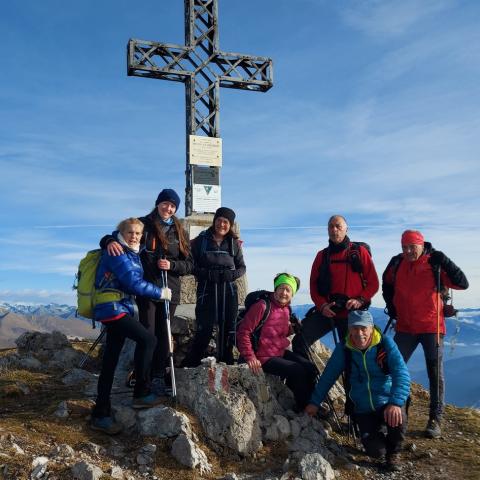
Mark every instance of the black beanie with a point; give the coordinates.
(168, 195)
(225, 212)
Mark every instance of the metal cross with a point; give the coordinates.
(203, 68)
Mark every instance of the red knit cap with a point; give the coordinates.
(412, 237)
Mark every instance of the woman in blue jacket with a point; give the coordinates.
(377, 383)
(122, 277)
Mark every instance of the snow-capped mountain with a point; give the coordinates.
(18, 318)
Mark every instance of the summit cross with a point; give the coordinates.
(203, 68)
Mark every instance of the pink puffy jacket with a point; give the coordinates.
(273, 338)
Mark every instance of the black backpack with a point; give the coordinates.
(251, 299)
(324, 280)
(388, 289)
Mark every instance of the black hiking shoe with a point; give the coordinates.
(433, 429)
(106, 425)
(392, 462)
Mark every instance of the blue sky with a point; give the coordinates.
(373, 114)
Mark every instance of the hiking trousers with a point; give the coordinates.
(314, 327)
(154, 318)
(299, 373)
(407, 343)
(205, 313)
(377, 437)
(117, 332)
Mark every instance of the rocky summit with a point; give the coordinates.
(226, 423)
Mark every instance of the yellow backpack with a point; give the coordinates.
(87, 295)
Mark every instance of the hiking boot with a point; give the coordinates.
(433, 429)
(106, 425)
(392, 462)
(148, 401)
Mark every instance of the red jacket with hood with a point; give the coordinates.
(415, 297)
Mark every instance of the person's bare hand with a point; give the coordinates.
(327, 311)
(393, 415)
(114, 249)
(255, 366)
(163, 264)
(353, 304)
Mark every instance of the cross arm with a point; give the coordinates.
(158, 60)
(244, 72)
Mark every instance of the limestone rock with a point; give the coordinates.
(125, 415)
(189, 454)
(62, 451)
(227, 414)
(86, 471)
(163, 422)
(39, 467)
(314, 467)
(78, 376)
(62, 410)
(116, 472)
(43, 345)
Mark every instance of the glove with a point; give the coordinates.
(228, 275)
(165, 294)
(437, 258)
(215, 276)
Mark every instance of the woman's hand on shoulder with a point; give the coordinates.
(114, 249)
(255, 366)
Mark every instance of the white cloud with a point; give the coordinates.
(390, 17)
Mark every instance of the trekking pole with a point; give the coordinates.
(223, 320)
(351, 424)
(84, 359)
(439, 293)
(311, 354)
(169, 334)
(387, 326)
(215, 319)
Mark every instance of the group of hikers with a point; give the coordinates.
(146, 256)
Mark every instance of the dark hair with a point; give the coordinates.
(182, 237)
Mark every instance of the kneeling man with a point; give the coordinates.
(377, 384)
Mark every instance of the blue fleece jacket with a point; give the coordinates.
(370, 388)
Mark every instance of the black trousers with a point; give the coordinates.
(117, 332)
(299, 373)
(407, 343)
(207, 312)
(377, 437)
(154, 318)
(313, 328)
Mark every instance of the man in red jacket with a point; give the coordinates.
(412, 286)
(343, 278)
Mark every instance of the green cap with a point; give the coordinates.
(287, 279)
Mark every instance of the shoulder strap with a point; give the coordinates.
(381, 357)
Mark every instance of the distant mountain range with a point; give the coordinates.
(462, 343)
(18, 318)
(461, 357)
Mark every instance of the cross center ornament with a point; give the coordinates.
(203, 68)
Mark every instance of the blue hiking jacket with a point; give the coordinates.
(124, 273)
(370, 387)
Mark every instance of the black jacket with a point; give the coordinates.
(208, 257)
(179, 263)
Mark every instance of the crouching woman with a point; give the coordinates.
(271, 354)
(117, 280)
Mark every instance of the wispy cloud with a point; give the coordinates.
(389, 17)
